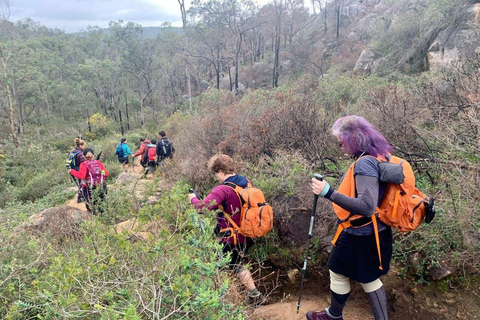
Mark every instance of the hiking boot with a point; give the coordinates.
(255, 298)
(321, 315)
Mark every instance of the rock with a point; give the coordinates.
(363, 66)
(457, 41)
(131, 227)
(153, 199)
(126, 177)
(354, 11)
(368, 26)
(204, 85)
(415, 261)
(440, 272)
(292, 275)
(58, 222)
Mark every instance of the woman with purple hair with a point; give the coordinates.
(355, 255)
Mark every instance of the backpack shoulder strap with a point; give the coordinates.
(238, 190)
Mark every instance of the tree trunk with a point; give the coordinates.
(278, 24)
(10, 104)
(187, 72)
(121, 122)
(142, 114)
(126, 111)
(88, 121)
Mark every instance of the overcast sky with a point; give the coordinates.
(74, 15)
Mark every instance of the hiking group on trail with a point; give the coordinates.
(376, 193)
(153, 154)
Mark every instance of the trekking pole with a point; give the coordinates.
(310, 235)
(200, 222)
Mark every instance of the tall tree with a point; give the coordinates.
(187, 72)
(5, 53)
(279, 8)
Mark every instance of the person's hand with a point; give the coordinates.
(320, 187)
(70, 171)
(191, 196)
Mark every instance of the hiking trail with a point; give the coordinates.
(406, 299)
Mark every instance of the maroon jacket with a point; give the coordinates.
(228, 198)
(79, 157)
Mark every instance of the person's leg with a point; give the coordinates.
(377, 297)
(339, 293)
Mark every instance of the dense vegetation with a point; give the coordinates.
(263, 85)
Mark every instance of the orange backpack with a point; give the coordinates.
(256, 218)
(403, 206)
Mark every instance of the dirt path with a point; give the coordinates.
(355, 310)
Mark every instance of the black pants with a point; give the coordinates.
(238, 254)
(95, 198)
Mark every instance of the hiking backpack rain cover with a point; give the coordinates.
(95, 174)
(256, 218)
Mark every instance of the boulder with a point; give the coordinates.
(364, 64)
(440, 272)
(457, 41)
(58, 222)
(127, 177)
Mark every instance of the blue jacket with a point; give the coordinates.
(126, 151)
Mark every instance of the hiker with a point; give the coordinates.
(355, 255)
(122, 152)
(165, 148)
(75, 158)
(224, 169)
(150, 159)
(141, 151)
(93, 175)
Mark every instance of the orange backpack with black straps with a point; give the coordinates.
(256, 218)
(403, 206)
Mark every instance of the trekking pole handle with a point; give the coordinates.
(195, 193)
(319, 177)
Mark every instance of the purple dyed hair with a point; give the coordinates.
(358, 136)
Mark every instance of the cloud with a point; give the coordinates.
(73, 15)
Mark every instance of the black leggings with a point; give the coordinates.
(238, 254)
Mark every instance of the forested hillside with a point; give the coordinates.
(264, 85)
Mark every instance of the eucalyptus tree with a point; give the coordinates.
(138, 60)
(5, 54)
(237, 16)
(211, 33)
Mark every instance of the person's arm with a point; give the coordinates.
(367, 196)
(140, 151)
(128, 150)
(81, 173)
(211, 202)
